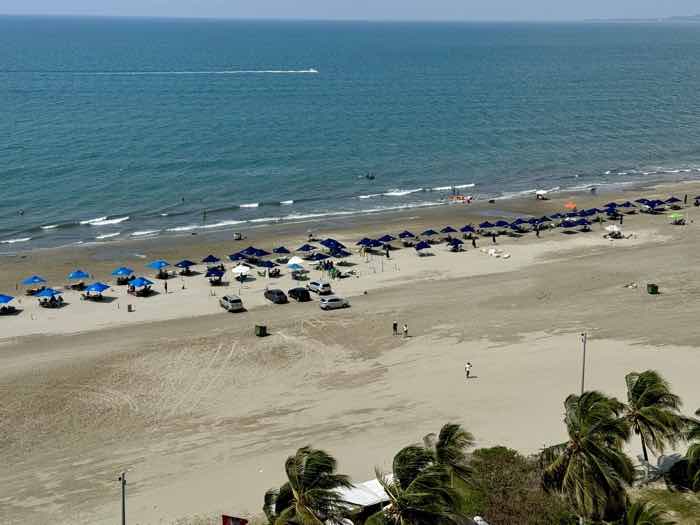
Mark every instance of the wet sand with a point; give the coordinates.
(205, 413)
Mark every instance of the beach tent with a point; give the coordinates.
(210, 259)
(467, 229)
(281, 250)
(486, 224)
(47, 292)
(448, 229)
(216, 272)
(158, 265)
(386, 238)
(429, 233)
(319, 257)
(236, 257)
(184, 264)
(406, 235)
(423, 245)
(295, 260)
(140, 282)
(123, 272)
(241, 269)
(295, 267)
(306, 248)
(97, 287)
(78, 275)
(34, 279)
(4, 299)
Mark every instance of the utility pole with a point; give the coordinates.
(584, 339)
(122, 481)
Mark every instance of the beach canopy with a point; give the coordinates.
(185, 263)
(123, 272)
(241, 269)
(502, 224)
(406, 235)
(236, 257)
(627, 204)
(363, 242)
(306, 248)
(4, 299)
(583, 222)
(486, 224)
(295, 260)
(455, 242)
(611, 205)
(340, 253)
(249, 251)
(556, 216)
(77, 275)
(672, 200)
(47, 292)
(448, 229)
(374, 243)
(158, 265)
(319, 257)
(267, 264)
(215, 272)
(140, 282)
(281, 250)
(467, 229)
(259, 252)
(642, 201)
(97, 287)
(613, 228)
(331, 244)
(386, 238)
(210, 259)
(423, 245)
(429, 233)
(34, 279)
(295, 267)
(520, 221)
(568, 223)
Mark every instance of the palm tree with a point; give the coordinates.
(310, 496)
(652, 411)
(590, 469)
(645, 513)
(693, 454)
(449, 450)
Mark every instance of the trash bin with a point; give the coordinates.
(652, 289)
(129, 307)
(260, 330)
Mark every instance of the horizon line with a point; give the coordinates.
(669, 18)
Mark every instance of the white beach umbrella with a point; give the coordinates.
(612, 228)
(295, 260)
(241, 270)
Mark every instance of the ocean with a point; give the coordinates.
(117, 129)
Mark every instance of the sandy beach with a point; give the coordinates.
(204, 413)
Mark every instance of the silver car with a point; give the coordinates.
(231, 303)
(333, 302)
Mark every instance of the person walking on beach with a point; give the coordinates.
(165, 285)
(405, 330)
(473, 242)
(395, 328)
(685, 199)
(622, 218)
(468, 369)
(493, 237)
(537, 231)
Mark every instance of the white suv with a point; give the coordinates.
(332, 302)
(232, 303)
(320, 287)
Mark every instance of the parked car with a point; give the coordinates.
(300, 295)
(276, 296)
(320, 287)
(332, 302)
(231, 303)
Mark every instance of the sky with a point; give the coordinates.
(361, 9)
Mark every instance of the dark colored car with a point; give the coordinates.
(299, 294)
(276, 296)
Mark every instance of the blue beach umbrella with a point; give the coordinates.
(267, 264)
(642, 201)
(363, 242)
(374, 243)
(406, 235)
(423, 245)
(672, 200)
(486, 224)
(97, 287)
(281, 250)
(306, 248)
(78, 275)
(556, 216)
(48, 292)
(123, 272)
(429, 233)
(467, 229)
(215, 272)
(158, 265)
(331, 244)
(4, 299)
(34, 279)
(184, 264)
(520, 221)
(456, 242)
(502, 224)
(448, 229)
(318, 257)
(628, 204)
(340, 253)
(237, 257)
(249, 251)
(610, 205)
(210, 259)
(386, 238)
(140, 282)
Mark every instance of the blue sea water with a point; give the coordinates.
(116, 127)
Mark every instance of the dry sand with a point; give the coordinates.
(205, 413)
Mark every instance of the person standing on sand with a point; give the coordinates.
(622, 217)
(537, 231)
(473, 242)
(395, 328)
(493, 237)
(165, 285)
(405, 330)
(468, 369)
(685, 200)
